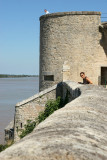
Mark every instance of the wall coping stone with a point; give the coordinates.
(58, 14)
(36, 96)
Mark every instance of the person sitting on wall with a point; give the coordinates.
(47, 12)
(86, 80)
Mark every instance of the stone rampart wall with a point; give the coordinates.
(77, 131)
(30, 108)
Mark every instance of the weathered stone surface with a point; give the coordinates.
(103, 30)
(30, 108)
(76, 132)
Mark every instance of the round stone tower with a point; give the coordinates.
(69, 44)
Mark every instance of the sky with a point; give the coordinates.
(20, 30)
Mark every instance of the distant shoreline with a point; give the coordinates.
(16, 76)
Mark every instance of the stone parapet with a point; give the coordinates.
(77, 131)
(70, 13)
(36, 96)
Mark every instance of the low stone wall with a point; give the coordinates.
(30, 108)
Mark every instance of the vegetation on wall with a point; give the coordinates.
(50, 107)
(3, 147)
(28, 128)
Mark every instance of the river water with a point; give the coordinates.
(12, 91)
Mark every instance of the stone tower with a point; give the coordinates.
(70, 42)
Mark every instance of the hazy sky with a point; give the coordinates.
(20, 27)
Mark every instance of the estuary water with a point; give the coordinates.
(12, 91)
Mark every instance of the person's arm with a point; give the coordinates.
(90, 82)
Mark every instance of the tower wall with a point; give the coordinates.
(71, 38)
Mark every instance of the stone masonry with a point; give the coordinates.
(71, 39)
(30, 108)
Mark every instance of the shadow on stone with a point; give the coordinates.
(67, 93)
(103, 41)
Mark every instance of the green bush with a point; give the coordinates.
(3, 147)
(40, 118)
(50, 107)
(28, 128)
